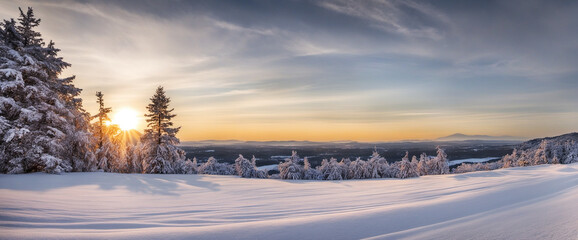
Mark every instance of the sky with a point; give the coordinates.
(374, 70)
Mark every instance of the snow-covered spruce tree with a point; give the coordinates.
(540, 155)
(406, 170)
(439, 164)
(356, 169)
(422, 165)
(291, 169)
(571, 152)
(213, 167)
(194, 166)
(509, 160)
(110, 155)
(414, 163)
(377, 167)
(256, 172)
(442, 161)
(43, 127)
(248, 169)
(309, 172)
(344, 164)
(243, 167)
(330, 170)
(160, 153)
(133, 158)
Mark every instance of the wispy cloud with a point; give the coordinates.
(388, 15)
(375, 66)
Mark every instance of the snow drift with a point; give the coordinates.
(537, 202)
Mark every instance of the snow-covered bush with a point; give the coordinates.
(213, 167)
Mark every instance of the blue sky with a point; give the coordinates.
(327, 70)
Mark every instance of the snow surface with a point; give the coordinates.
(536, 202)
(471, 160)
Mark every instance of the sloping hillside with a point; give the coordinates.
(560, 149)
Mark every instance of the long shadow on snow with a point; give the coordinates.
(140, 183)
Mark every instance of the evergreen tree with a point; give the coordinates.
(110, 154)
(356, 169)
(213, 167)
(422, 165)
(161, 155)
(310, 173)
(406, 169)
(331, 170)
(102, 119)
(377, 167)
(43, 126)
(440, 164)
(344, 165)
(540, 155)
(291, 169)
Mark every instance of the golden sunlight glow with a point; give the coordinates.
(126, 119)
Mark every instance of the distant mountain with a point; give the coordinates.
(130, 137)
(464, 137)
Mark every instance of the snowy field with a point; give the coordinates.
(517, 203)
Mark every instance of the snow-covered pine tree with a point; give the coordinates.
(42, 124)
(509, 160)
(244, 167)
(406, 169)
(422, 165)
(213, 167)
(161, 155)
(291, 169)
(523, 159)
(102, 119)
(344, 164)
(194, 166)
(540, 155)
(133, 158)
(310, 173)
(377, 166)
(571, 152)
(110, 155)
(330, 170)
(256, 172)
(440, 163)
(414, 163)
(356, 169)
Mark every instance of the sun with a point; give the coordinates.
(126, 119)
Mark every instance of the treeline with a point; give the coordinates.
(295, 168)
(557, 150)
